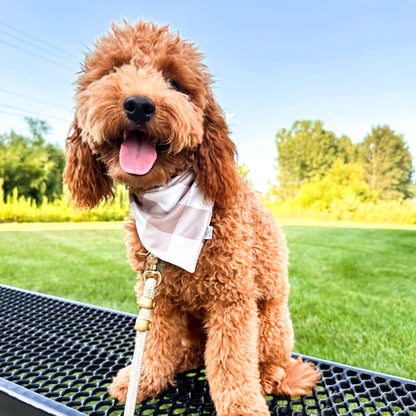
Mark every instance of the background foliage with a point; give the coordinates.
(321, 175)
(19, 208)
(31, 164)
(307, 152)
(387, 163)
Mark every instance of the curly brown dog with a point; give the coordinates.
(231, 314)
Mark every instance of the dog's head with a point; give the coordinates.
(144, 113)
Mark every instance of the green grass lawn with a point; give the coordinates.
(353, 290)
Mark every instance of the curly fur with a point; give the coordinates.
(232, 313)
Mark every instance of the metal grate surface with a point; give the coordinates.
(69, 352)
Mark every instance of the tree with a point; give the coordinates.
(31, 164)
(244, 171)
(306, 152)
(387, 163)
(38, 129)
(348, 152)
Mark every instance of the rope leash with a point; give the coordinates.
(152, 278)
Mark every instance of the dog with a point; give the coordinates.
(145, 114)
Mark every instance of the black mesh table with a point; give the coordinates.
(57, 357)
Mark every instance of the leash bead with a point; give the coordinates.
(146, 302)
(142, 325)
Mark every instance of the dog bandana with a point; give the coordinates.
(173, 220)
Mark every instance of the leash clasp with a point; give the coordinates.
(154, 274)
(152, 271)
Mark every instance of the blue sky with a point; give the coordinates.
(350, 63)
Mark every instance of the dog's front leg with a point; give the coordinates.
(162, 355)
(231, 358)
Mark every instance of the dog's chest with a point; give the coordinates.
(190, 291)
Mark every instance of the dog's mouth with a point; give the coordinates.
(138, 152)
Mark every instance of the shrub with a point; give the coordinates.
(343, 194)
(18, 208)
(350, 208)
(344, 181)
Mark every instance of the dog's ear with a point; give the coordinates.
(84, 174)
(215, 166)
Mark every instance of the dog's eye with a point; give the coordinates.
(173, 84)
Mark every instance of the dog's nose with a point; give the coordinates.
(139, 109)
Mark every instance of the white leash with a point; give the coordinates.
(152, 278)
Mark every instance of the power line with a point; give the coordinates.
(31, 98)
(42, 42)
(31, 53)
(33, 45)
(26, 112)
(9, 113)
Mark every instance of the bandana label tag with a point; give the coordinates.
(208, 233)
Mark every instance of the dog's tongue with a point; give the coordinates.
(137, 154)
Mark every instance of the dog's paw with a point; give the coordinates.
(118, 388)
(246, 411)
(150, 387)
(246, 405)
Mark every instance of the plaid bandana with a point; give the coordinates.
(173, 220)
